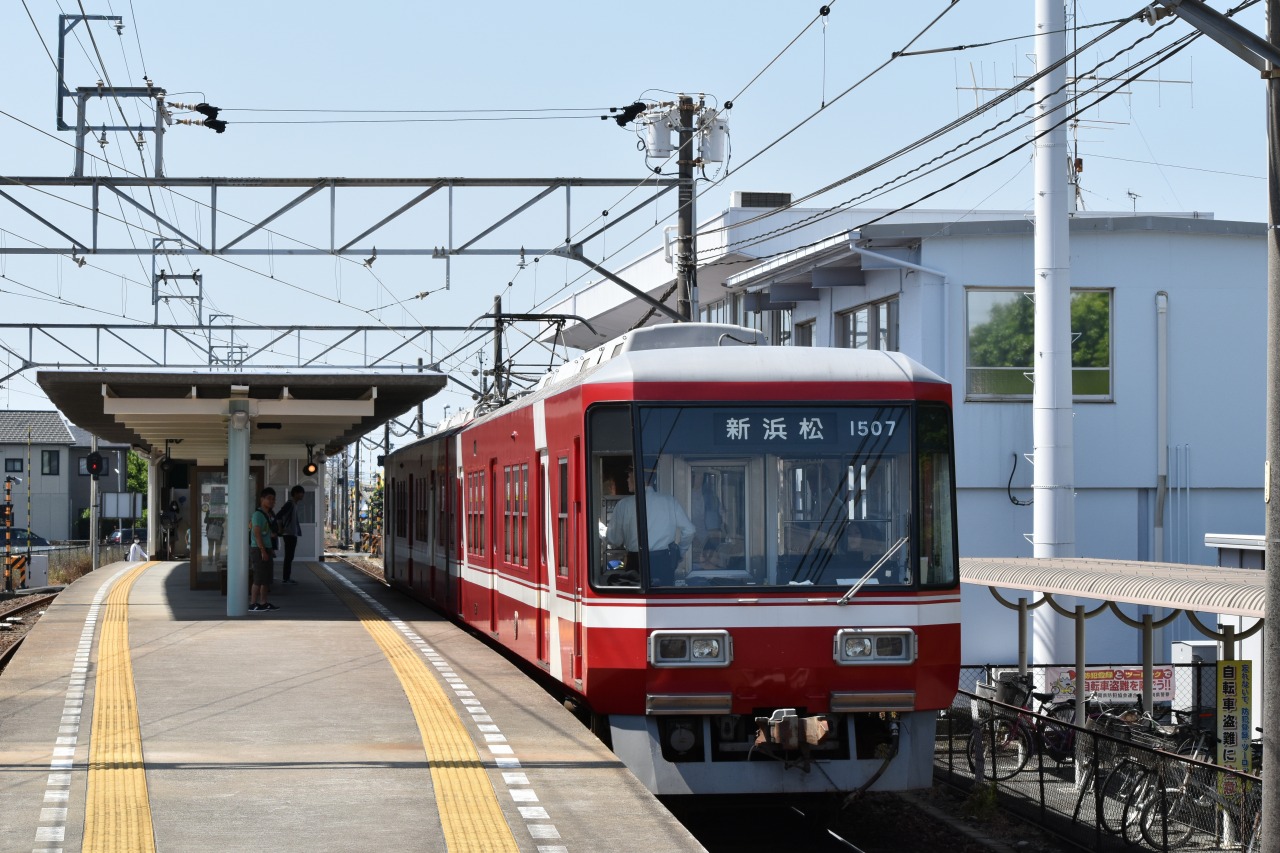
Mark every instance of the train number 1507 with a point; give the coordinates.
(872, 427)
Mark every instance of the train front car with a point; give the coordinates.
(772, 602)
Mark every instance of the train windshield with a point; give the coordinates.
(783, 496)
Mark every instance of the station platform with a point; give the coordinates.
(137, 717)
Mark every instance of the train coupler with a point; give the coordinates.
(784, 730)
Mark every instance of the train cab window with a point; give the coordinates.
(610, 478)
(789, 496)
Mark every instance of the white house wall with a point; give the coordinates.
(48, 495)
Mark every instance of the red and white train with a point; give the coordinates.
(801, 640)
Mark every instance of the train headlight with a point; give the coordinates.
(706, 647)
(690, 648)
(855, 646)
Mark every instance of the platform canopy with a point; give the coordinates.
(187, 413)
(1208, 589)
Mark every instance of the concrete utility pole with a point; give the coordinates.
(687, 265)
(1054, 518)
(1264, 55)
(1270, 829)
(1054, 482)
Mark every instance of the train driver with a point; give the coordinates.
(665, 519)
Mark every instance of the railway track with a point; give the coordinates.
(20, 617)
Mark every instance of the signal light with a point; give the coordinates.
(310, 469)
(95, 465)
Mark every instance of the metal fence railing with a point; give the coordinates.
(1121, 782)
(1194, 689)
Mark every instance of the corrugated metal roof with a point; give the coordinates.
(45, 428)
(1238, 592)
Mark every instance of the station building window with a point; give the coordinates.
(803, 336)
(13, 466)
(1000, 344)
(871, 326)
(50, 462)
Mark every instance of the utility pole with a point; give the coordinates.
(421, 431)
(1054, 521)
(499, 396)
(1269, 831)
(687, 264)
(1264, 55)
(94, 513)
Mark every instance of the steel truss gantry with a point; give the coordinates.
(217, 347)
(444, 247)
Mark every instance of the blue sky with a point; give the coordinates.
(263, 62)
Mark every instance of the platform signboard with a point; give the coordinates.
(122, 504)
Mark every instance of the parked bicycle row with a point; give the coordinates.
(1123, 780)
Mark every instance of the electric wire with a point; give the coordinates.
(920, 142)
(1160, 56)
(1177, 166)
(959, 47)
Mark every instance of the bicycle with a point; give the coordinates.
(1008, 740)
(1139, 777)
(1172, 816)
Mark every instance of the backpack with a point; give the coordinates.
(272, 526)
(283, 519)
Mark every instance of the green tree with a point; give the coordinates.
(1091, 323)
(1007, 338)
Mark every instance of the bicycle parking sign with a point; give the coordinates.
(1113, 683)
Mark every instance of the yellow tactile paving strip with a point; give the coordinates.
(470, 815)
(117, 810)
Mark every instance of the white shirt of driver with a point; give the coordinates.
(664, 516)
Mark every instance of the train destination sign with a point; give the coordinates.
(794, 429)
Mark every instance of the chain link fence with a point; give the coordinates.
(1122, 782)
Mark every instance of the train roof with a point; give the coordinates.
(729, 354)
(726, 353)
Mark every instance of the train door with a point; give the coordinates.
(496, 497)
(411, 497)
(450, 524)
(540, 507)
(575, 562)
